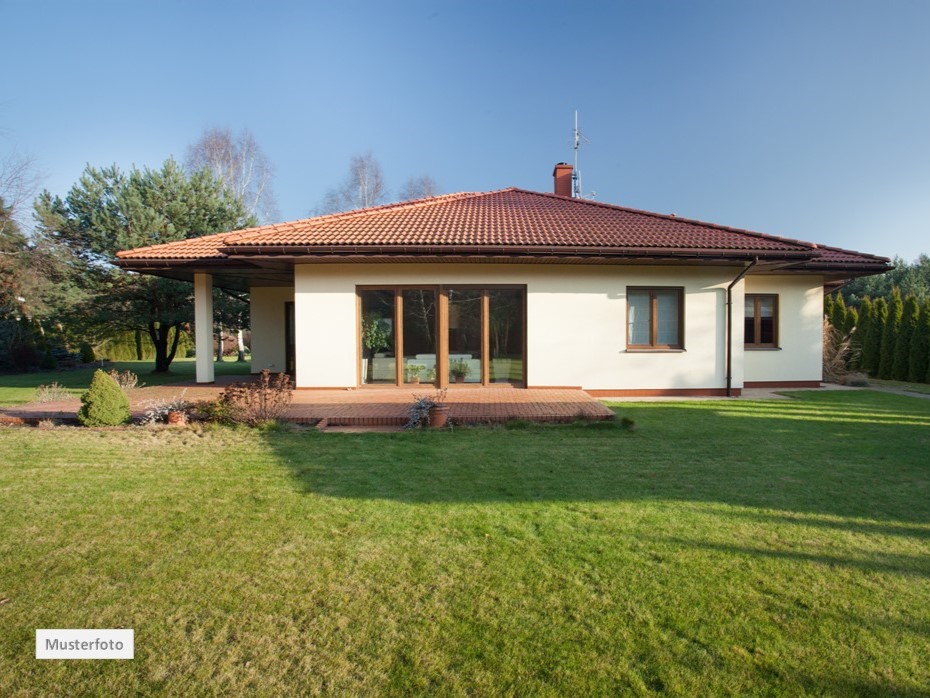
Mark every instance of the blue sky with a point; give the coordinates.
(804, 119)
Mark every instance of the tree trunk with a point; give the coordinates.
(240, 357)
(159, 336)
(138, 334)
(219, 342)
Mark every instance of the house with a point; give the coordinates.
(518, 288)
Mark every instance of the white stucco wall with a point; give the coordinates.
(800, 330)
(576, 322)
(267, 310)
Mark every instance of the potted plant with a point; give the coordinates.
(459, 369)
(428, 410)
(413, 372)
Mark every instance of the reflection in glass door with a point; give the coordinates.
(505, 335)
(377, 334)
(419, 314)
(465, 336)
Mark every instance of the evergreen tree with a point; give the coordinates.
(876, 331)
(919, 359)
(890, 335)
(851, 330)
(838, 318)
(866, 314)
(828, 303)
(107, 211)
(902, 347)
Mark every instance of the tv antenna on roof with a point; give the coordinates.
(577, 137)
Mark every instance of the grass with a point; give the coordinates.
(20, 388)
(721, 548)
(923, 388)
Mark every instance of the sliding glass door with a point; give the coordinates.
(447, 336)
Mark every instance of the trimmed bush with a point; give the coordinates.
(87, 353)
(104, 404)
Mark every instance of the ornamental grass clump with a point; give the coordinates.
(104, 404)
(259, 401)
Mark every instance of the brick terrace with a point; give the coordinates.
(364, 407)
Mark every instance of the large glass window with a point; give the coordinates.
(761, 319)
(465, 335)
(654, 318)
(419, 335)
(505, 335)
(377, 332)
(442, 335)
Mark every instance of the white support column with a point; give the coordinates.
(203, 326)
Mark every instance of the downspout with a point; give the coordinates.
(729, 320)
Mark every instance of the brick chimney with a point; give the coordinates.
(562, 174)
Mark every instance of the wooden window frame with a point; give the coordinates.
(653, 319)
(442, 348)
(757, 322)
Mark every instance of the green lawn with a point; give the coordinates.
(721, 548)
(901, 385)
(20, 388)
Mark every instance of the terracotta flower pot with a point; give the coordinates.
(460, 379)
(438, 416)
(177, 417)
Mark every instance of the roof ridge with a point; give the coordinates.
(209, 236)
(671, 217)
(243, 235)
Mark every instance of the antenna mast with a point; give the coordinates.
(577, 137)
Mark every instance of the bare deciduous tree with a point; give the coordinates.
(363, 187)
(240, 165)
(19, 183)
(419, 188)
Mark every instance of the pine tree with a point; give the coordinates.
(838, 318)
(828, 306)
(919, 360)
(902, 347)
(866, 315)
(890, 334)
(876, 330)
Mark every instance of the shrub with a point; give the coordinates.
(87, 353)
(51, 393)
(126, 380)
(258, 401)
(856, 380)
(104, 404)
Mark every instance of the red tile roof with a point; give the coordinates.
(510, 221)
